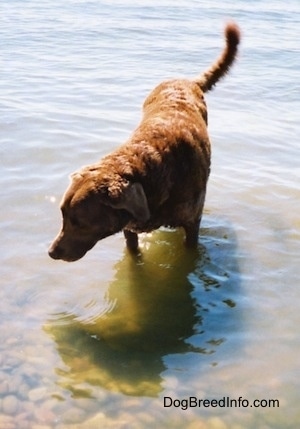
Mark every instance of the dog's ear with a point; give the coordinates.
(133, 199)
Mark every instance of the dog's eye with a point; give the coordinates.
(74, 222)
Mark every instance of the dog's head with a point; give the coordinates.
(94, 207)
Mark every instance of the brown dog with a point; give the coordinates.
(158, 178)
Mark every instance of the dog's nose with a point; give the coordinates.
(55, 252)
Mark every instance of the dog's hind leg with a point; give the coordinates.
(132, 240)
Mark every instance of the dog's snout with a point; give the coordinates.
(55, 252)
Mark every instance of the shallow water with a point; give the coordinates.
(101, 342)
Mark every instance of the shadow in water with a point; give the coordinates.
(158, 304)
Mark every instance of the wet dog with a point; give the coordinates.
(157, 178)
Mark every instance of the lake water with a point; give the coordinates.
(102, 341)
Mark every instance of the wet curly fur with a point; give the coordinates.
(157, 178)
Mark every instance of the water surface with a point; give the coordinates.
(101, 342)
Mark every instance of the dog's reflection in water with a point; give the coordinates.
(152, 314)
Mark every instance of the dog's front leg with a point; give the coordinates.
(132, 240)
(191, 234)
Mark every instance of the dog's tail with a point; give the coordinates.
(219, 69)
